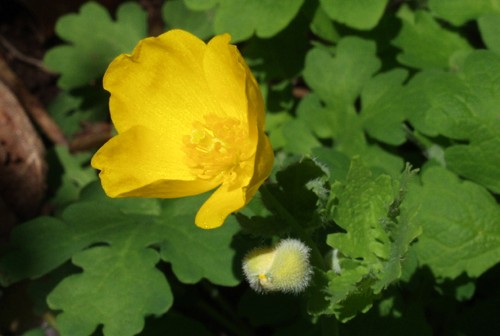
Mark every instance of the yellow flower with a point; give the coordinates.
(190, 118)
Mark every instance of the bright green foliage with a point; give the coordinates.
(460, 11)
(265, 18)
(379, 228)
(338, 80)
(461, 224)
(322, 26)
(95, 40)
(463, 107)
(118, 286)
(489, 25)
(196, 253)
(381, 113)
(200, 5)
(360, 14)
(298, 137)
(424, 42)
(177, 15)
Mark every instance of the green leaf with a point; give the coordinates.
(425, 44)
(363, 203)
(122, 297)
(94, 41)
(462, 106)
(360, 14)
(274, 123)
(93, 192)
(339, 79)
(350, 293)
(318, 118)
(460, 11)
(381, 114)
(265, 18)
(461, 225)
(197, 253)
(298, 138)
(199, 5)
(125, 264)
(177, 15)
(271, 57)
(489, 26)
(76, 174)
(70, 110)
(291, 190)
(379, 228)
(336, 162)
(322, 26)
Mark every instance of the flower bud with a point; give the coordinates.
(284, 268)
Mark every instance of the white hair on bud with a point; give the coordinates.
(284, 268)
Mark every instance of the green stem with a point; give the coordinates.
(418, 139)
(430, 149)
(317, 258)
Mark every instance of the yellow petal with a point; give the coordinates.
(226, 76)
(256, 107)
(161, 85)
(141, 162)
(219, 205)
(264, 161)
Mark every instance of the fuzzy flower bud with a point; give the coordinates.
(284, 268)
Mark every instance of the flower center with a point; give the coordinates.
(214, 148)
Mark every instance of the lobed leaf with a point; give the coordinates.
(462, 107)
(330, 112)
(87, 56)
(177, 14)
(118, 287)
(460, 11)
(111, 240)
(340, 79)
(489, 26)
(378, 229)
(196, 253)
(75, 175)
(381, 114)
(461, 225)
(424, 43)
(361, 14)
(265, 18)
